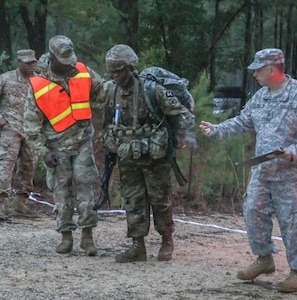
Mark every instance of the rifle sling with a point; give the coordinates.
(162, 119)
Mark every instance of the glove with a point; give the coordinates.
(190, 141)
(50, 159)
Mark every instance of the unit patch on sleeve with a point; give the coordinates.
(169, 94)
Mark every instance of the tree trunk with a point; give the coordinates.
(279, 41)
(36, 29)
(247, 47)
(213, 53)
(5, 41)
(258, 35)
(130, 14)
(294, 61)
(289, 39)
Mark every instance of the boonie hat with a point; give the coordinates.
(62, 48)
(266, 57)
(26, 55)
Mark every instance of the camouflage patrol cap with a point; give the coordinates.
(120, 56)
(62, 48)
(26, 55)
(266, 57)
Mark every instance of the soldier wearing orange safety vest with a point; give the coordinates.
(64, 109)
(58, 124)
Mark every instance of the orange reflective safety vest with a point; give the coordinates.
(63, 110)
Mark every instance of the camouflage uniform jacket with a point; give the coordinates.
(275, 123)
(170, 106)
(13, 92)
(38, 129)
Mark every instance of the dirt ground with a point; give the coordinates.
(209, 249)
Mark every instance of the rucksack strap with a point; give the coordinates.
(135, 102)
(149, 87)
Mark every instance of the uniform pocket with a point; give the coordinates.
(159, 143)
(110, 141)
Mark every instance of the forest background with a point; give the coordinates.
(209, 42)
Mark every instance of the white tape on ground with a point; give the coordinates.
(32, 197)
(219, 227)
(119, 211)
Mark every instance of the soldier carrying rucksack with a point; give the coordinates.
(140, 140)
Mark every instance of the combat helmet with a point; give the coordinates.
(120, 56)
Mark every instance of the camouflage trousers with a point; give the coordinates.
(145, 185)
(264, 199)
(17, 163)
(72, 185)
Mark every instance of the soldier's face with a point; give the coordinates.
(119, 76)
(263, 75)
(59, 68)
(27, 68)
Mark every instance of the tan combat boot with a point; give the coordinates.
(165, 252)
(67, 243)
(263, 265)
(16, 207)
(87, 242)
(289, 285)
(136, 252)
(3, 217)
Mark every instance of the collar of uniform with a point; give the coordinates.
(126, 92)
(56, 78)
(20, 77)
(286, 91)
(283, 92)
(267, 94)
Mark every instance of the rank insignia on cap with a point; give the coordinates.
(169, 94)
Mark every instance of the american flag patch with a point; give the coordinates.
(169, 94)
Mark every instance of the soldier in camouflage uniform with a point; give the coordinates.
(272, 113)
(42, 63)
(59, 126)
(141, 143)
(17, 162)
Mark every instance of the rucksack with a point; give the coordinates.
(171, 81)
(179, 87)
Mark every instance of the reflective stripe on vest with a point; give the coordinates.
(63, 110)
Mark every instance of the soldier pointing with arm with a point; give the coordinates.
(272, 114)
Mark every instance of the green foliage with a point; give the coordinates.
(93, 26)
(182, 36)
(3, 57)
(116, 198)
(152, 56)
(215, 182)
(176, 30)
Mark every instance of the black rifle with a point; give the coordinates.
(103, 197)
(171, 157)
